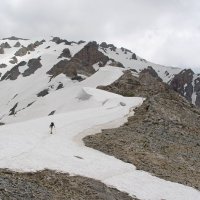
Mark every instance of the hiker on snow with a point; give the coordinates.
(52, 125)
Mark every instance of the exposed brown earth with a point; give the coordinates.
(163, 137)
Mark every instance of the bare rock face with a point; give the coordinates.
(65, 53)
(13, 73)
(80, 42)
(13, 60)
(105, 46)
(1, 50)
(88, 56)
(17, 44)
(60, 86)
(163, 136)
(31, 47)
(63, 67)
(128, 85)
(126, 50)
(152, 72)
(81, 63)
(5, 45)
(58, 40)
(182, 83)
(13, 109)
(197, 91)
(38, 43)
(187, 85)
(43, 93)
(116, 64)
(21, 52)
(33, 65)
(134, 56)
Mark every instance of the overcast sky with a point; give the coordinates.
(165, 32)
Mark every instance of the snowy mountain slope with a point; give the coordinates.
(36, 86)
(28, 146)
(126, 58)
(62, 100)
(38, 68)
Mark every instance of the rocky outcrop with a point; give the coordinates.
(43, 93)
(105, 46)
(60, 86)
(134, 56)
(116, 64)
(126, 50)
(187, 84)
(31, 47)
(13, 60)
(65, 53)
(5, 45)
(78, 78)
(38, 43)
(58, 40)
(128, 85)
(3, 65)
(17, 44)
(52, 112)
(21, 52)
(87, 57)
(152, 72)
(13, 73)
(33, 65)
(80, 42)
(13, 109)
(63, 67)
(196, 90)
(1, 50)
(81, 63)
(163, 135)
(182, 83)
(51, 185)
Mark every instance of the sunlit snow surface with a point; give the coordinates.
(80, 109)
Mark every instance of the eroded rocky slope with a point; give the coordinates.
(163, 137)
(54, 186)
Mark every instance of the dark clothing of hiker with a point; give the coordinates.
(52, 125)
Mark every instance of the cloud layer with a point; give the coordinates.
(165, 32)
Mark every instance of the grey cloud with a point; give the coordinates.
(165, 32)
